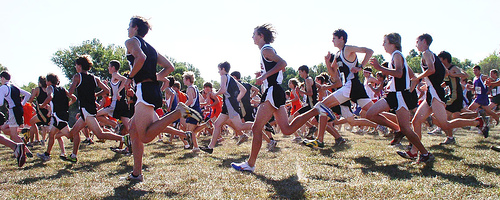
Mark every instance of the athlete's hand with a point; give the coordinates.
(375, 64)
(128, 84)
(260, 80)
(328, 57)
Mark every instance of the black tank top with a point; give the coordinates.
(86, 91)
(15, 95)
(42, 95)
(312, 100)
(438, 76)
(268, 65)
(148, 70)
(60, 103)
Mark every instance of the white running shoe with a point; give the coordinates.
(242, 167)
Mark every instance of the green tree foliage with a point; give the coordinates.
(287, 75)
(489, 63)
(180, 68)
(29, 87)
(413, 59)
(3, 68)
(101, 55)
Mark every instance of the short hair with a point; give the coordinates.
(268, 31)
(294, 82)
(142, 25)
(379, 73)
(477, 67)
(287, 92)
(115, 64)
(85, 61)
(236, 74)
(189, 75)
(445, 56)
(325, 76)
(52, 78)
(495, 71)
(171, 81)
(321, 79)
(340, 33)
(426, 37)
(304, 68)
(177, 85)
(225, 65)
(42, 80)
(368, 69)
(395, 39)
(6, 75)
(207, 84)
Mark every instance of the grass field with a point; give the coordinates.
(366, 167)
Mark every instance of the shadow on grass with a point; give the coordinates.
(289, 188)
(226, 163)
(92, 166)
(394, 172)
(59, 174)
(486, 168)
(128, 191)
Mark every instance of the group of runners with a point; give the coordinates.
(129, 114)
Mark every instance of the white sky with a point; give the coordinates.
(205, 33)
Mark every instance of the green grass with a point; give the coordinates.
(366, 167)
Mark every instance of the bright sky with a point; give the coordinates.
(205, 33)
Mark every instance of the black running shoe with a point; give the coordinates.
(207, 149)
(269, 128)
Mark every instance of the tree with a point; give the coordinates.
(101, 55)
(489, 63)
(287, 75)
(3, 68)
(29, 87)
(414, 59)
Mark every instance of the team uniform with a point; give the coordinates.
(481, 92)
(231, 106)
(455, 99)
(118, 107)
(42, 113)
(296, 104)
(174, 100)
(495, 93)
(272, 90)
(195, 105)
(399, 95)
(60, 107)
(247, 110)
(149, 92)
(12, 94)
(434, 89)
(352, 88)
(86, 95)
(311, 100)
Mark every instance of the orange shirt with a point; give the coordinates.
(182, 97)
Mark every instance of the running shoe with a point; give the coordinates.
(272, 145)
(20, 154)
(314, 143)
(448, 141)
(133, 178)
(425, 159)
(436, 131)
(189, 138)
(196, 150)
(407, 155)
(339, 141)
(43, 156)
(486, 131)
(269, 128)
(207, 149)
(127, 142)
(242, 167)
(495, 148)
(323, 110)
(398, 136)
(243, 138)
(71, 159)
(186, 112)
